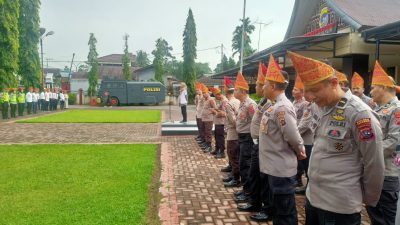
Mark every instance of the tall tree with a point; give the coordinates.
(126, 61)
(142, 59)
(237, 38)
(29, 34)
(189, 54)
(9, 43)
(231, 63)
(161, 55)
(223, 65)
(93, 64)
(201, 69)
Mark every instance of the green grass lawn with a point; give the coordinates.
(75, 184)
(100, 116)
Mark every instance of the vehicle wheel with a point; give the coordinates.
(114, 101)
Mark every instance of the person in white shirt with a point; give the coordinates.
(28, 98)
(42, 99)
(47, 100)
(62, 100)
(183, 101)
(66, 99)
(35, 99)
(55, 99)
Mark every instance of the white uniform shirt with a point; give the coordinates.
(28, 97)
(35, 97)
(42, 95)
(47, 96)
(62, 98)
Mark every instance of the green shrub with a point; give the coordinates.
(71, 98)
(255, 97)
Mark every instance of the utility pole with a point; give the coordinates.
(222, 53)
(243, 30)
(259, 32)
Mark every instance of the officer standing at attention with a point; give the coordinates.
(21, 101)
(384, 93)
(232, 144)
(357, 87)
(346, 163)
(42, 99)
(207, 118)
(199, 110)
(5, 101)
(197, 99)
(35, 100)
(28, 98)
(13, 103)
(254, 200)
(280, 147)
(243, 120)
(299, 104)
(219, 123)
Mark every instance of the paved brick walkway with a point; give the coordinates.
(192, 191)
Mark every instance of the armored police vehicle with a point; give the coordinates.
(119, 92)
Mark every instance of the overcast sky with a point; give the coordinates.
(147, 20)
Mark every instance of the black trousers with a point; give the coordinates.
(316, 216)
(201, 129)
(21, 107)
(184, 113)
(246, 145)
(13, 110)
(265, 194)
(29, 107)
(34, 107)
(384, 213)
(198, 123)
(254, 178)
(4, 110)
(283, 200)
(233, 151)
(219, 136)
(207, 126)
(62, 104)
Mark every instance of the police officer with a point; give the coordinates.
(5, 101)
(35, 100)
(197, 99)
(299, 104)
(219, 123)
(21, 101)
(280, 147)
(346, 163)
(254, 200)
(13, 103)
(28, 99)
(306, 132)
(243, 121)
(232, 144)
(384, 94)
(42, 99)
(207, 118)
(47, 95)
(357, 87)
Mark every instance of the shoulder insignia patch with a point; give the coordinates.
(281, 117)
(397, 118)
(365, 129)
(251, 109)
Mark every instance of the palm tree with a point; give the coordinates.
(237, 38)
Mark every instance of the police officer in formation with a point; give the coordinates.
(346, 164)
(345, 142)
(14, 103)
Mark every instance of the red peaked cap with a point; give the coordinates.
(228, 83)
